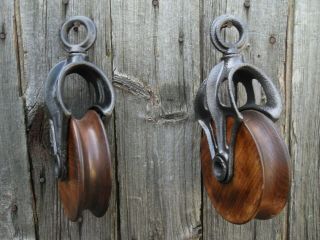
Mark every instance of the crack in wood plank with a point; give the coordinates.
(133, 86)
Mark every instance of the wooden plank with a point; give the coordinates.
(16, 199)
(40, 24)
(157, 73)
(305, 194)
(267, 39)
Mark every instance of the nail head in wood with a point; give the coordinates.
(76, 26)
(14, 208)
(42, 180)
(246, 4)
(3, 35)
(272, 39)
(155, 3)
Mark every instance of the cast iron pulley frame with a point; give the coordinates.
(209, 109)
(99, 86)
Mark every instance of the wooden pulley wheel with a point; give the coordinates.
(261, 180)
(88, 181)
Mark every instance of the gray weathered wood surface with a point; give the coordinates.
(157, 70)
(157, 53)
(16, 198)
(304, 217)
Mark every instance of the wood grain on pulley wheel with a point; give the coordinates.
(260, 185)
(88, 182)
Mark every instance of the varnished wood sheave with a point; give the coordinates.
(88, 184)
(261, 182)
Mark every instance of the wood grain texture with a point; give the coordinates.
(88, 182)
(157, 73)
(260, 184)
(161, 52)
(40, 22)
(267, 23)
(16, 199)
(304, 209)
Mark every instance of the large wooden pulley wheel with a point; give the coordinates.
(261, 181)
(88, 181)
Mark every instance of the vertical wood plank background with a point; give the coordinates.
(157, 52)
(157, 71)
(304, 207)
(16, 198)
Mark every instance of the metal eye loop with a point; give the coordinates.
(89, 39)
(217, 38)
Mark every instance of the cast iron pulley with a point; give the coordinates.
(80, 146)
(245, 162)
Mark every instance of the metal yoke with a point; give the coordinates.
(208, 106)
(100, 87)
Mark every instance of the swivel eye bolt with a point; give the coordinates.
(208, 107)
(243, 158)
(217, 39)
(80, 146)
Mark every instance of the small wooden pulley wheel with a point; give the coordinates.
(244, 161)
(88, 181)
(81, 148)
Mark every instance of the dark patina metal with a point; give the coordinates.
(100, 87)
(208, 106)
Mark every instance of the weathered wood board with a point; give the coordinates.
(304, 217)
(157, 71)
(16, 199)
(157, 52)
